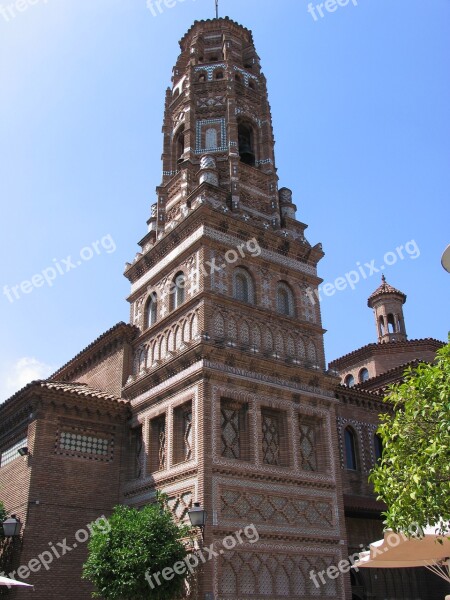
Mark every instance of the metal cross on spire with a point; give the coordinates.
(217, 9)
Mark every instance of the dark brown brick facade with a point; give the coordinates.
(217, 391)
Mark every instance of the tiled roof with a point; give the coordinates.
(123, 328)
(368, 349)
(385, 288)
(77, 389)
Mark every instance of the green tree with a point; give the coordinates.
(136, 543)
(413, 476)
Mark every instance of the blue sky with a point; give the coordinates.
(360, 101)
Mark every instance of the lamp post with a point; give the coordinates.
(198, 517)
(12, 527)
(446, 261)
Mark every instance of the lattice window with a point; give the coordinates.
(211, 139)
(243, 287)
(177, 291)
(232, 329)
(271, 442)
(85, 443)
(312, 353)
(268, 345)
(187, 434)
(279, 345)
(285, 300)
(219, 326)
(183, 433)
(136, 454)
(233, 429)
(162, 444)
(151, 310)
(158, 444)
(308, 443)
(140, 359)
(244, 332)
(12, 453)
(274, 438)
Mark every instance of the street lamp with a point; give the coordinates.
(446, 259)
(12, 526)
(198, 517)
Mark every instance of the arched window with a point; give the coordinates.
(246, 144)
(285, 300)
(363, 375)
(243, 288)
(381, 325)
(251, 85)
(178, 290)
(350, 449)
(219, 75)
(202, 78)
(349, 381)
(151, 310)
(378, 447)
(391, 323)
(179, 144)
(140, 359)
(211, 139)
(238, 77)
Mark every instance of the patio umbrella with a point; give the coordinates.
(13, 583)
(397, 550)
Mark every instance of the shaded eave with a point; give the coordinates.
(22, 402)
(369, 350)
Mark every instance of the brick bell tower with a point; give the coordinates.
(232, 404)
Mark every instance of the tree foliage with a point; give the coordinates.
(136, 542)
(413, 477)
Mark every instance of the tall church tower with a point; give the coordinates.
(232, 404)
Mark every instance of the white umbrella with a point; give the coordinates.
(397, 550)
(13, 583)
